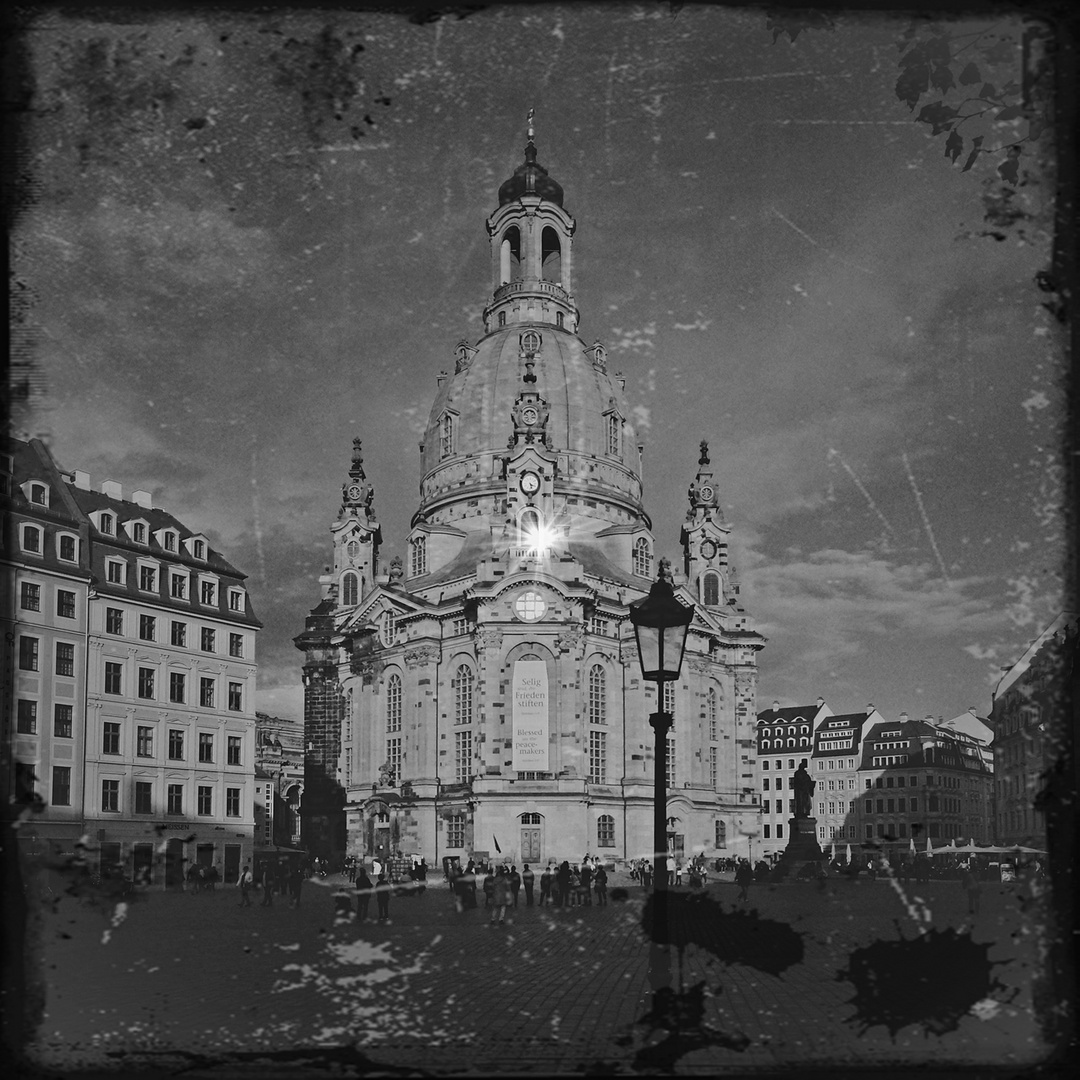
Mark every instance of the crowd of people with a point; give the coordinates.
(503, 887)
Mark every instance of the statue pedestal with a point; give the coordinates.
(802, 847)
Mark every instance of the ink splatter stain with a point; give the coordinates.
(932, 981)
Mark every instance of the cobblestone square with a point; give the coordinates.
(198, 982)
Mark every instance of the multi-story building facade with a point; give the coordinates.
(785, 737)
(1030, 710)
(161, 730)
(45, 589)
(483, 694)
(923, 780)
(836, 768)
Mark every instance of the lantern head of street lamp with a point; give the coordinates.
(660, 625)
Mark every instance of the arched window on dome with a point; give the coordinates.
(559, 319)
(597, 695)
(418, 553)
(510, 256)
(710, 589)
(463, 695)
(502, 318)
(448, 435)
(393, 702)
(551, 256)
(528, 527)
(642, 557)
(349, 590)
(614, 434)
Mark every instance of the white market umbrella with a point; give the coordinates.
(929, 847)
(848, 853)
(832, 852)
(911, 845)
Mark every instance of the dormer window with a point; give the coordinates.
(236, 599)
(138, 532)
(198, 549)
(67, 547)
(168, 540)
(39, 494)
(107, 524)
(208, 592)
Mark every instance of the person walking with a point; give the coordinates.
(364, 888)
(646, 875)
(515, 884)
(545, 886)
(744, 878)
(600, 884)
(246, 881)
(502, 894)
(528, 879)
(192, 876)
(382, 897)
(670, 869)
(489, 888)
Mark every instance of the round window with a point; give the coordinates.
(530, 606)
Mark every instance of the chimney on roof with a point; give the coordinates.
(929, 719)
(142, 498)
(903, 717)
(776, 706)
(112, 489)
(82, 480)
(971, 709)
(820, 702)
(869, 708)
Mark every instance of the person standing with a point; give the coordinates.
(586, 882)
(744, 878)
(646, 875)
(528, 878)
(267, 887)
(246, 881)
(515, 884)
(489, 888)
(545, 886)
(562, 884)
(382, 897)
(502, 894)
(296, 883)
(364, 889)
(678, 871)
(600, 884)
(670, 869)
(970, 884)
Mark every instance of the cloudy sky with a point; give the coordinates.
(256, 236)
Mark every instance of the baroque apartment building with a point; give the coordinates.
(133, 656)
(482, 695)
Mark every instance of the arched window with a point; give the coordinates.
(605, 831)
(559, 319)
(528, 527)
(463, 695)
(393, 702)
(550, 256)
(348, 590)
(764, 744)
(642, 557)
(510, 256)
(530, 819)
(31, 539)
(710, 590)
(710, 712)
(502, 318)
(614, 434)
(389, 628)
(419, 556)
(597, 695)
(447, 435)
(791, 742)
(721, 834)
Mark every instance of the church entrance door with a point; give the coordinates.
(530, 845)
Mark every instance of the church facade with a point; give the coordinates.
(480, 693)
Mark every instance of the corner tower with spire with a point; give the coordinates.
(487, 693)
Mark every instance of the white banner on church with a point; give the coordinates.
(530, 689)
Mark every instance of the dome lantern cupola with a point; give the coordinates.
(531, 236)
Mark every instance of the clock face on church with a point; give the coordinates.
(705, 493)
(529, 415)
(708, 549)
(354, 492)
(530, 482)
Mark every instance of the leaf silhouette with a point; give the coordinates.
(939, 114)
(953, 146)
(1009, 171)
(970, 74)
(941, 78)
(975, 143)
(913, 83)
(1012, 112)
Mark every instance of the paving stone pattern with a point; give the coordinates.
(199, 983)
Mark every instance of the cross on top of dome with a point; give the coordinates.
(530, 178)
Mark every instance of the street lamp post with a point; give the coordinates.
(660, 627)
